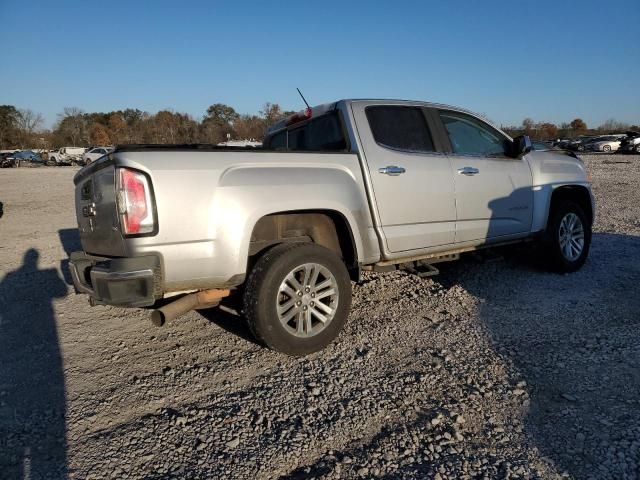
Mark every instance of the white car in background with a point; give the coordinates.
(66, 156)
(609, 143)
(95, 153)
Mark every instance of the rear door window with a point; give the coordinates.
(400, 128)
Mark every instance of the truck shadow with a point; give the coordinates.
(70, 241)
(32, 388)
(231, 322)
(579, 361)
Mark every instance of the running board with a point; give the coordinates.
(422, 270)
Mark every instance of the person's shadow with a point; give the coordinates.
(32, 390)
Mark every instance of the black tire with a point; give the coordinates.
(262, 296)
(606, 149)
(557, 260)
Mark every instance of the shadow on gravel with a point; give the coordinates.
(70, 240)
(32, 390)
(574, 340)
(230, 322)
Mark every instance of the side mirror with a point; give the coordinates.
(521, 145)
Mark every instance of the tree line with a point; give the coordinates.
(20, 128)
(575, 128)
(23, 128)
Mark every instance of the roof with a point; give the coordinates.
(326, 107)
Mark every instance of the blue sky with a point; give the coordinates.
(549, 60)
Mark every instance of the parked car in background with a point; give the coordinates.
(580, 143)
(94, 154)
(66, 156)
(5, 160)
(607, 143)
(630, 143)
(21, 158)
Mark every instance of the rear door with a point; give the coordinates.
(412, 183)
(494, 197)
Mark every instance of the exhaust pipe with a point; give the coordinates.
(204, 298)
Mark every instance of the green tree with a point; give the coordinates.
(72, 128)
(8, 126)
(221, 114)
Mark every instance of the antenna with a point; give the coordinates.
(303, 99)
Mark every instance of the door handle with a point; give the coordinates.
(469, 171)
(391, 170)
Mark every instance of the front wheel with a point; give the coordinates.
(297, 298)
(606, 148)
(568, 237)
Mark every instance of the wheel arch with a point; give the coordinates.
(576, 193)
(328, 228)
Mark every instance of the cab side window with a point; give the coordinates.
(470, 136)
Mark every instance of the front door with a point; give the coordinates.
(494, 197)
(412, 184)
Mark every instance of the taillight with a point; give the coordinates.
(135, 205)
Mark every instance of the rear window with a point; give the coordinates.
(400, 128)
(321, 134)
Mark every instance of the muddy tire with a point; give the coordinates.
(297, 298)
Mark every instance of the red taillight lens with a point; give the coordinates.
(134, 202)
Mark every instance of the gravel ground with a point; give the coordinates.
(494, 369)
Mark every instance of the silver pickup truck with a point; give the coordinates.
(338, 188)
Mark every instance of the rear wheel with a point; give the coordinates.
(297, 298)
(606, 148)
(568, 237)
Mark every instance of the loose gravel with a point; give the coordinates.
(493, 369)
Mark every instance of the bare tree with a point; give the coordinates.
(28, 123)
(613, 126)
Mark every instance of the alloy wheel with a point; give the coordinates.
(307, 300)
(571, 237)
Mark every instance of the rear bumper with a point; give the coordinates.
(124, 282)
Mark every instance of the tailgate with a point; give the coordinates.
(96, 211)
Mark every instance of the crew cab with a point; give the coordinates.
(335, 189)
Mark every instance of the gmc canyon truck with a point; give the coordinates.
(338, 188)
